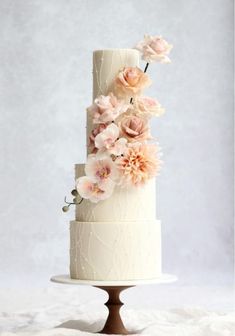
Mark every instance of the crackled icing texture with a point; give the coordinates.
(124, 205)
(119, 238)
(106, 65)
(115, 250)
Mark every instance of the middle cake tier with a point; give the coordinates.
(126, 204)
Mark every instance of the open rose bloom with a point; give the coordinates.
(131, 81)
(135, 128)
(148, 106)
(121, 154)
(154, 49)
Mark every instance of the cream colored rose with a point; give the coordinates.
(131, 81)
(148, 106)
(134, 128)
(154, 49)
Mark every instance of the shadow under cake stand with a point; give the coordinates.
(114, 324)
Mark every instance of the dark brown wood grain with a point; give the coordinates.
(114, 324)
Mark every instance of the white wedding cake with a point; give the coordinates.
(115, 234)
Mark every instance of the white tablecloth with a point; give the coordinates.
(39, 313)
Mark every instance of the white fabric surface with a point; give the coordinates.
(177, 322)
(171, 322)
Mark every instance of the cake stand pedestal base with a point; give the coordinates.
(114, 324)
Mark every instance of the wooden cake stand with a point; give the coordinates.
(114, 324)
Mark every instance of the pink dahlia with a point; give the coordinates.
(139, 164)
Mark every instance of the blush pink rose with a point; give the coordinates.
(154, 49)
(107, 108)
(131, 81)
(148, 106)
(135, 128)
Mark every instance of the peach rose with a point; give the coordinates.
(131, 81)
(154, 49)
(134, 128)
(148, 106)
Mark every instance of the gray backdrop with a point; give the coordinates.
(45, 85)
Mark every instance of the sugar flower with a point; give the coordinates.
(154, 49)
(88, 188)
(139, 164)
(148, 106)
(135, 128)
(109, 141)
(93, 135)
(131, 81)
(102, 170)
(107, 108)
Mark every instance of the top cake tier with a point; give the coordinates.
(106, 65)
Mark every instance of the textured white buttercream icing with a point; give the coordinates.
(106, 65)
(126, 204)
(115, 250)
(118, 238)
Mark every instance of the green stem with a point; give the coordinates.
(146, 67)
(70, 203)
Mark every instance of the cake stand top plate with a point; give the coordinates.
(65, 279)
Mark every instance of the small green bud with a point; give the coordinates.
(74, 192)
(65, 208)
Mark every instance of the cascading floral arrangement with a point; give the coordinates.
(122, 151)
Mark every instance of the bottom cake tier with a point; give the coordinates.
(115, 250)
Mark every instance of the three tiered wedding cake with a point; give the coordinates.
(115, 235)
